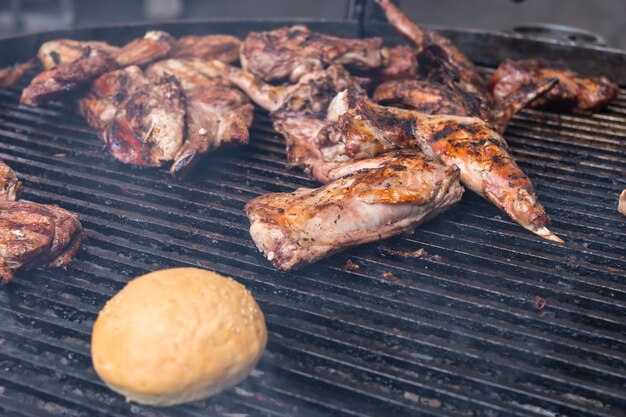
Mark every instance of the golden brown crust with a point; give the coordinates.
(177, 335)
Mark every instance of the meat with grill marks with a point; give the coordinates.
(65, 51)
(140, 118)
(399, 192)
(93, 63)
(10, 186)
(298, 111)
(11, 75)
(33, 235)
(573, 92)
(360, 129)
(216, 112)
(291, 52)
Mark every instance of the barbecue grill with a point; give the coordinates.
(493, 321)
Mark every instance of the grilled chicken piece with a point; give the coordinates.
(10, 186)
(216, 113)
(224, 48)
(402, 191)
(95, 62)
(290, 53)
(11, 75)
(433, 97)
(360, 129)
(621, 206)
(64, 51)
(141, 119)
(574, 92)
(298, 111)
(36, 235)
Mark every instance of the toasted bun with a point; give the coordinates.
(177, 335)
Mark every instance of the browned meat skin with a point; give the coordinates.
(36, 235)
(216, 113)
(64, 51)
(361, 129)
(432, 97)
(574, 92)
(403, 191)
(399, 63)
(11, 75)
(69, 76)
(141, 119)
(10, 186)
(289, 53)
(621, 205)
(298, 111)
(224, 48)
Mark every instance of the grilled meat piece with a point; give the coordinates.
(621, 205)
(216, 113)
(36, 235)
(574, 92)
(298, 111)
(399, 63)
(433, 97)
(361, 129)
(95, 62)
(224, 48)
(290, 53)
(64, 51)
(404, 190)
(11, 75)
(10, 186)
(141, 119)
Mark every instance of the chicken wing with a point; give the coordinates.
(290, 53)
(216, 112)
(574, 92)
(93, 63)
(402, 191)
(10, 186)
(141, 119)
(360, 129)
(64, 51)
(11, 75)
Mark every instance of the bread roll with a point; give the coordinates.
(177, 335)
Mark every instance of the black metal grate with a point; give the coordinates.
(464, 332)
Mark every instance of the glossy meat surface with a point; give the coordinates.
(573, 92)
(401, 192)
(10, 186)
(362, 129)
(141, 119)
(291, 52)
(216, 112)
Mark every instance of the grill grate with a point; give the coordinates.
(462, 333)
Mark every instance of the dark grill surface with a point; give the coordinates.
(494, 322)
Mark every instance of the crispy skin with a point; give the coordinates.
(64, 51)
(432, 97)
(574, 92)
(26, 234)
(224, 48)
(362, 129)
(216, 113)
(399, 63)
(71, 75)
(10, 186)
(403, 191)
(298, 111)
(141, 119)
(289, 53)
(11, 75)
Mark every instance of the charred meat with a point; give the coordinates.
(11, 75)
(400, 192)
(289, 53)
(574, 92)
(10, 186)
(224, 48)
(360, 129)
(216, 112)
